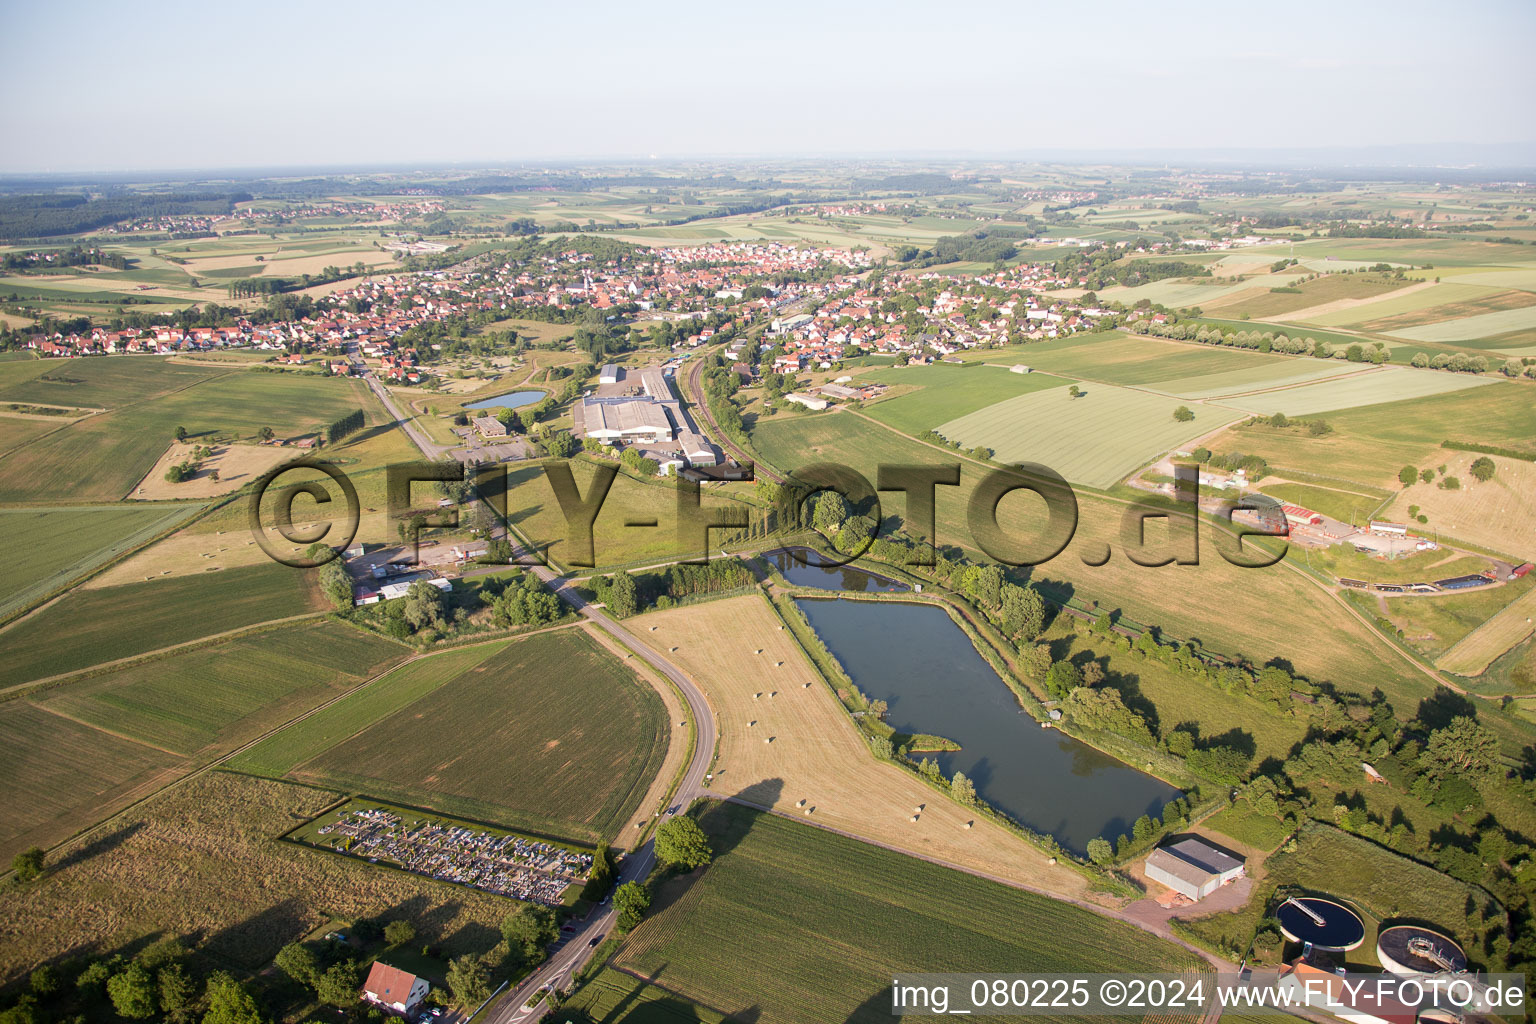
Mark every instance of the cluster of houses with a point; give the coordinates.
(525, 869)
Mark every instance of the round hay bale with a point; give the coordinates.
(969, 824)
(800, 804)
(914, 817)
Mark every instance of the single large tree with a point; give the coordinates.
(28, 864)
(830, 511)
(631, 900)
(623, 595)
(529, 929)
(680, 843)
(1462, 748)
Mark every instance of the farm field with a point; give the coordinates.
(1279, 374)
(945, 391)
(1118, 358)
(1390, 307)
(1177, 293)
(81, 750)
(1433, 625)
(106, 624)
(103, 457)
(1097, 439)
(1230, 610)
(1474, 652)
(1498, 515)
(279, 754)
(612, 996)
(552, 733)
(1371, 443)
(781, 896)
(52, 547)
(212, 696)
(1329, 288)
(1481, 325)
(1375, 880)
(817, 754)
(184, 864)
(1374, 387)
(1473, 301)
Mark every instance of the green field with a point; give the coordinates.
(1114, 357)
(1376, 387)
(1279, 373)
(1241, 822)
(533, 510)
(613, 996)
(102, 457)
(70, 774)
(1345, 506)
(550, 733)
(90, 627)
(1371, 443)
(829, 919)
(1096, 439)
(51, 547)
(192, 701)
(279, 754)
(946, 391)
(77, 751)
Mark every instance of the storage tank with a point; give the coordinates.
(1323, 923)
(1410, 949)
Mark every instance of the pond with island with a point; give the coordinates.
(933, 680)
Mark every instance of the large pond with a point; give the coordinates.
(827, 577)
(933, 680)
(511, 400)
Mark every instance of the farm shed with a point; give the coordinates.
(1193, 867)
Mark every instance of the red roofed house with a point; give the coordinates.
(394, 989)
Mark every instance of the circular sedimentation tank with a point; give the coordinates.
(1325, 924)
(1410, 949)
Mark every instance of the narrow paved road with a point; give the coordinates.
(575, 948)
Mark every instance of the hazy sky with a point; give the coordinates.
(105, 86)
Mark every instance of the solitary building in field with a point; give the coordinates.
(1193, 867)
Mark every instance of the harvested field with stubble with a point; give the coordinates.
(1499, 515)
(816, 754)
(829, 919)
(550, 734)
(203, 861)
(1494, 638)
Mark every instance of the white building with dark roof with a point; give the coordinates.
(1193, 867)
